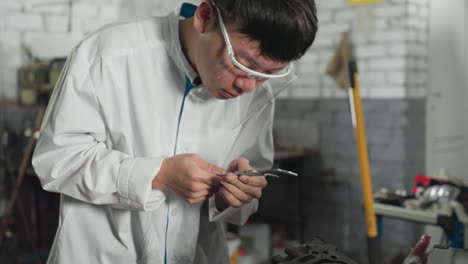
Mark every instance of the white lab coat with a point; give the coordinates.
(112, 119)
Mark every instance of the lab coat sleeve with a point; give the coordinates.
(71, 156)
(255, 142)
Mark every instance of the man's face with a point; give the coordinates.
(221, 78)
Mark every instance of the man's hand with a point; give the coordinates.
(190, 176)
(239, 190)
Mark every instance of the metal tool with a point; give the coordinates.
(272, 173)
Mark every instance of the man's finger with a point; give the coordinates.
(200, 194)
(250, 189)
(257, 181)
(244, 194)
(205, 165)
(230, 198)
(209, 178)
(243, 164)
(239, 164)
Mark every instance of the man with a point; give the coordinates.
(148, 113)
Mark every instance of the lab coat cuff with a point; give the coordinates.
(236, 216)
(134, 184)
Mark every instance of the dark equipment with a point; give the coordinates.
(316, 251)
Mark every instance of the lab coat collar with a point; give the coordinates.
(176, 49)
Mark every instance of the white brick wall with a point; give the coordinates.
(18, 19)
(392, 57)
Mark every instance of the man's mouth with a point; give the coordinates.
(227, 94)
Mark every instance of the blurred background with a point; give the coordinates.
(412, 62)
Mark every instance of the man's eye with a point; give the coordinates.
(243, 61)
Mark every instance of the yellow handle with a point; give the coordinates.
(366, 182)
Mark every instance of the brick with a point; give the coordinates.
(399, 49)
(91, 25)
(397, 23)
(10, 6)
(312, 56)
(332, 29)
(24, 22)
(305, 93)
(378, 136)
(333, 106)
(85, 10)
(413, 9)
(363, 65)
(424, 11)
(390, 11)
(381, 23)
(389, 36)
(359, 39)
(397, 78)
(422, 63)
(365, 92)
(341, 93)
(324, 16)
(422, 37)
(397, 1)
(77, 25)
(330, 4)
(417, 93)
(10, 39)
(307, 82)
(325, 41)
(56, 24)
(418, 2)
(48, 8)
(388, 64)
(372, 78)
(109, 11)
(14, 58)
(390, 152)
(418, 49)
(417, 23)
(329, 82)
(418, 78)
(368, 51)
(310, 69)
(411, 36)
(326, 55)
(344, 15)
(397, 107)
(388, 92)
(327, 93)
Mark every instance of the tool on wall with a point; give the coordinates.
(343, 68)
(20, 176)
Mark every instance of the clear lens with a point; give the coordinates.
(267, 85)
(252, 73)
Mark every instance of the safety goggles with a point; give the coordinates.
(250, 73)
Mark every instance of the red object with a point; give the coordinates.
(242, 252)
(422, 180)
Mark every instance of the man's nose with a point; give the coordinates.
(246, 84)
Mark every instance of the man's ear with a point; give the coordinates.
(205, 12)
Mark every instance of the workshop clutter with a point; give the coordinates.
(36, 81)
(443, 200)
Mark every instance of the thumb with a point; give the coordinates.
(240, 164)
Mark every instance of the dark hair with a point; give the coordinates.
(284, 28)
